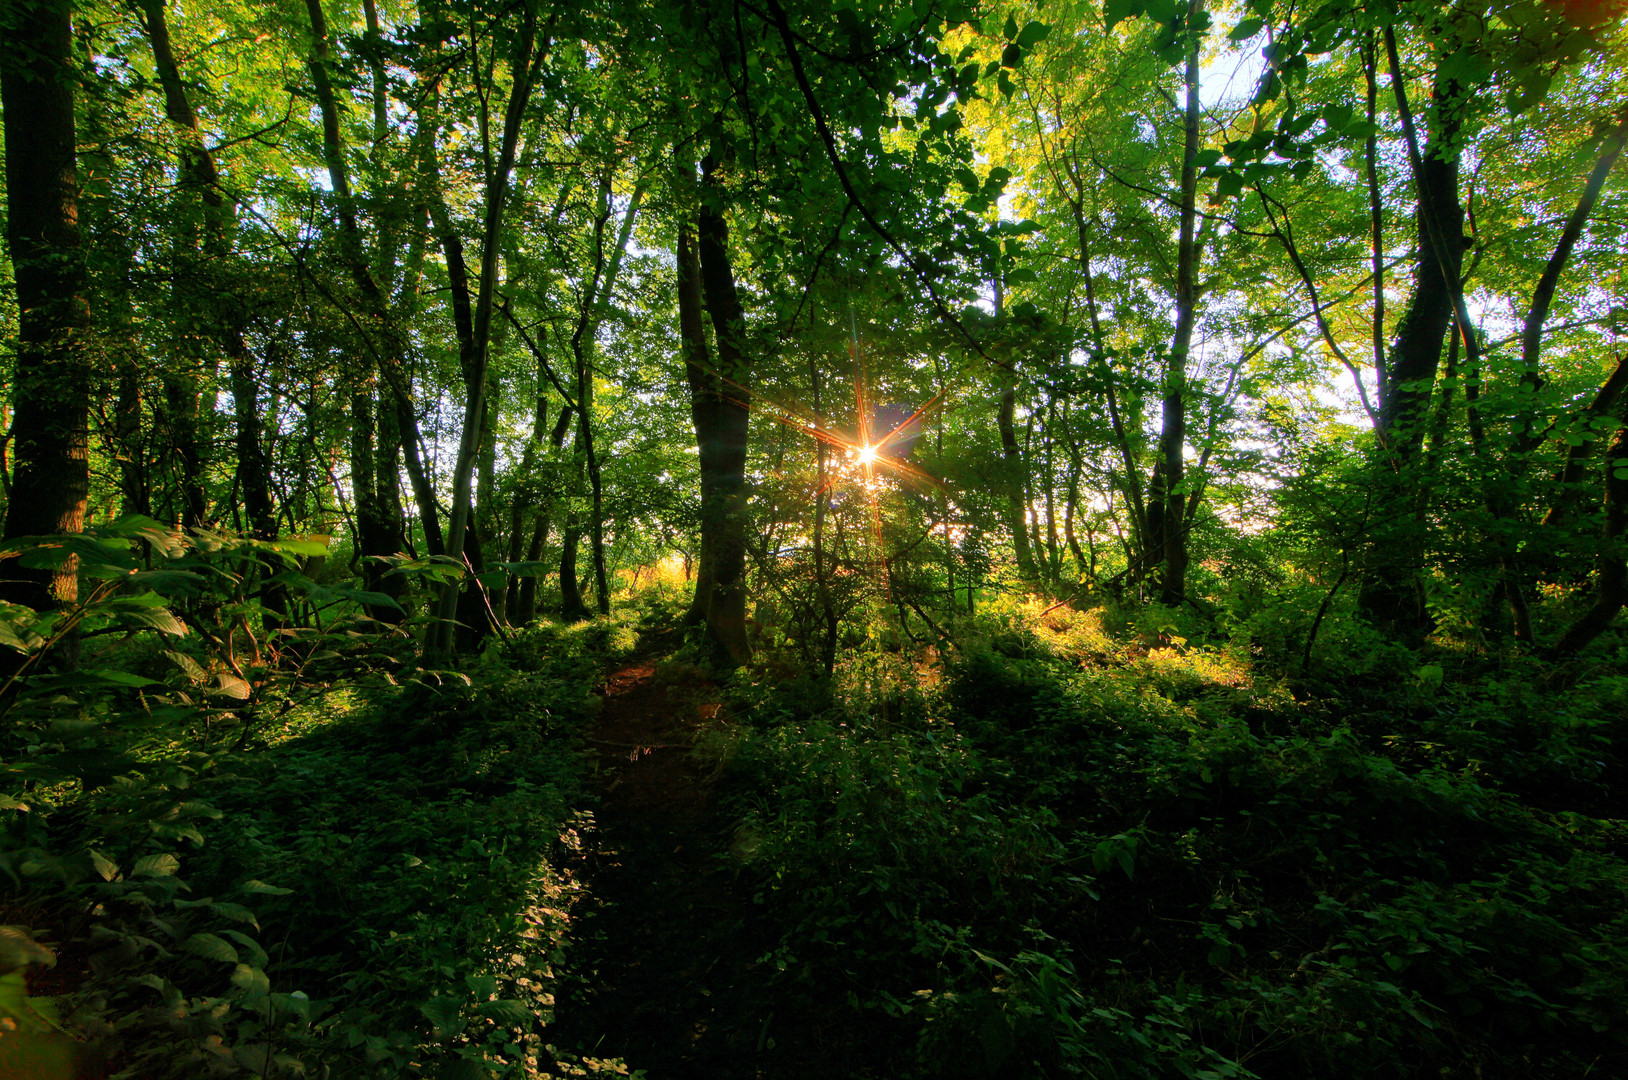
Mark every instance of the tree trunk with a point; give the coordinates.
(572, 609)
(1392, 594)
(1017, 516)
(1172, 533)
(474, 355)
(703, 401)
(721, 435)
(50, 395)
(1611, 586)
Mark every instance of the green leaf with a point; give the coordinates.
(251, 980)
(260, 888)
(1011, 30)
(309, 546)
(1115, 12)
(510, 1012)
(189, 667)
(210, 947)
(1246, 29)
(444, 1012)
(104, 866)
(1033, 34)
(235, 912)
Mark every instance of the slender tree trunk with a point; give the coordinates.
(1376, 225)
(1173, 431)
(598, 296)
(1012, 481)
(1611, 585)
(51, 388)
(704, 396)
(474, 355)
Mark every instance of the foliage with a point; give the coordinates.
(1083, 855)
(333, 862)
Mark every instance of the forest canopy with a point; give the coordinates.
(380, 357)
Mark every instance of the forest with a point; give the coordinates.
(787, 539)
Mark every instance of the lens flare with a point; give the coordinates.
(867, 455)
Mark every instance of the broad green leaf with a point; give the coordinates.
(1246, 29)
(444, 1011)
(1115, 12)
(156, 865)
(210, 947)
(509, 1012)
(251, 980)
(1033, 33)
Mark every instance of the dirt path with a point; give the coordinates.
(666, 971)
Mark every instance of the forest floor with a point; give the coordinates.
(669, 975)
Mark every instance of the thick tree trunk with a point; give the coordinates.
(572, 609)
(50, 394)
(721, 436)
(1392, 594)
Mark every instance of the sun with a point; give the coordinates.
(867, 455)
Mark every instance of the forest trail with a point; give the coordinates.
(667, 976)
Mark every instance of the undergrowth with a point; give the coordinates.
(294, 855)
(1111, 845)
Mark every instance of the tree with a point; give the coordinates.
(51, 385)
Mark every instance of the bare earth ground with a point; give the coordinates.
(668, 972)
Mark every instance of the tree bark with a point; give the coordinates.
(1017, 510)
(1169, 499)
(1392, 594)
(474, 356)
(703, 403)
(50, 395)
(721, 433)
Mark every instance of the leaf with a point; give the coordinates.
(150, 616)
(260, 888)
(1246, 29)
(443, 1011)
(233, 687)
(210, 947)
(292, 548)
(189, 667)
(1010, 31)
(106, 867)
(256, 956)
(235, 912)
(510, 1012)
(1115, 12)
(251, 980)
(1033, 33)
(253, 1058)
